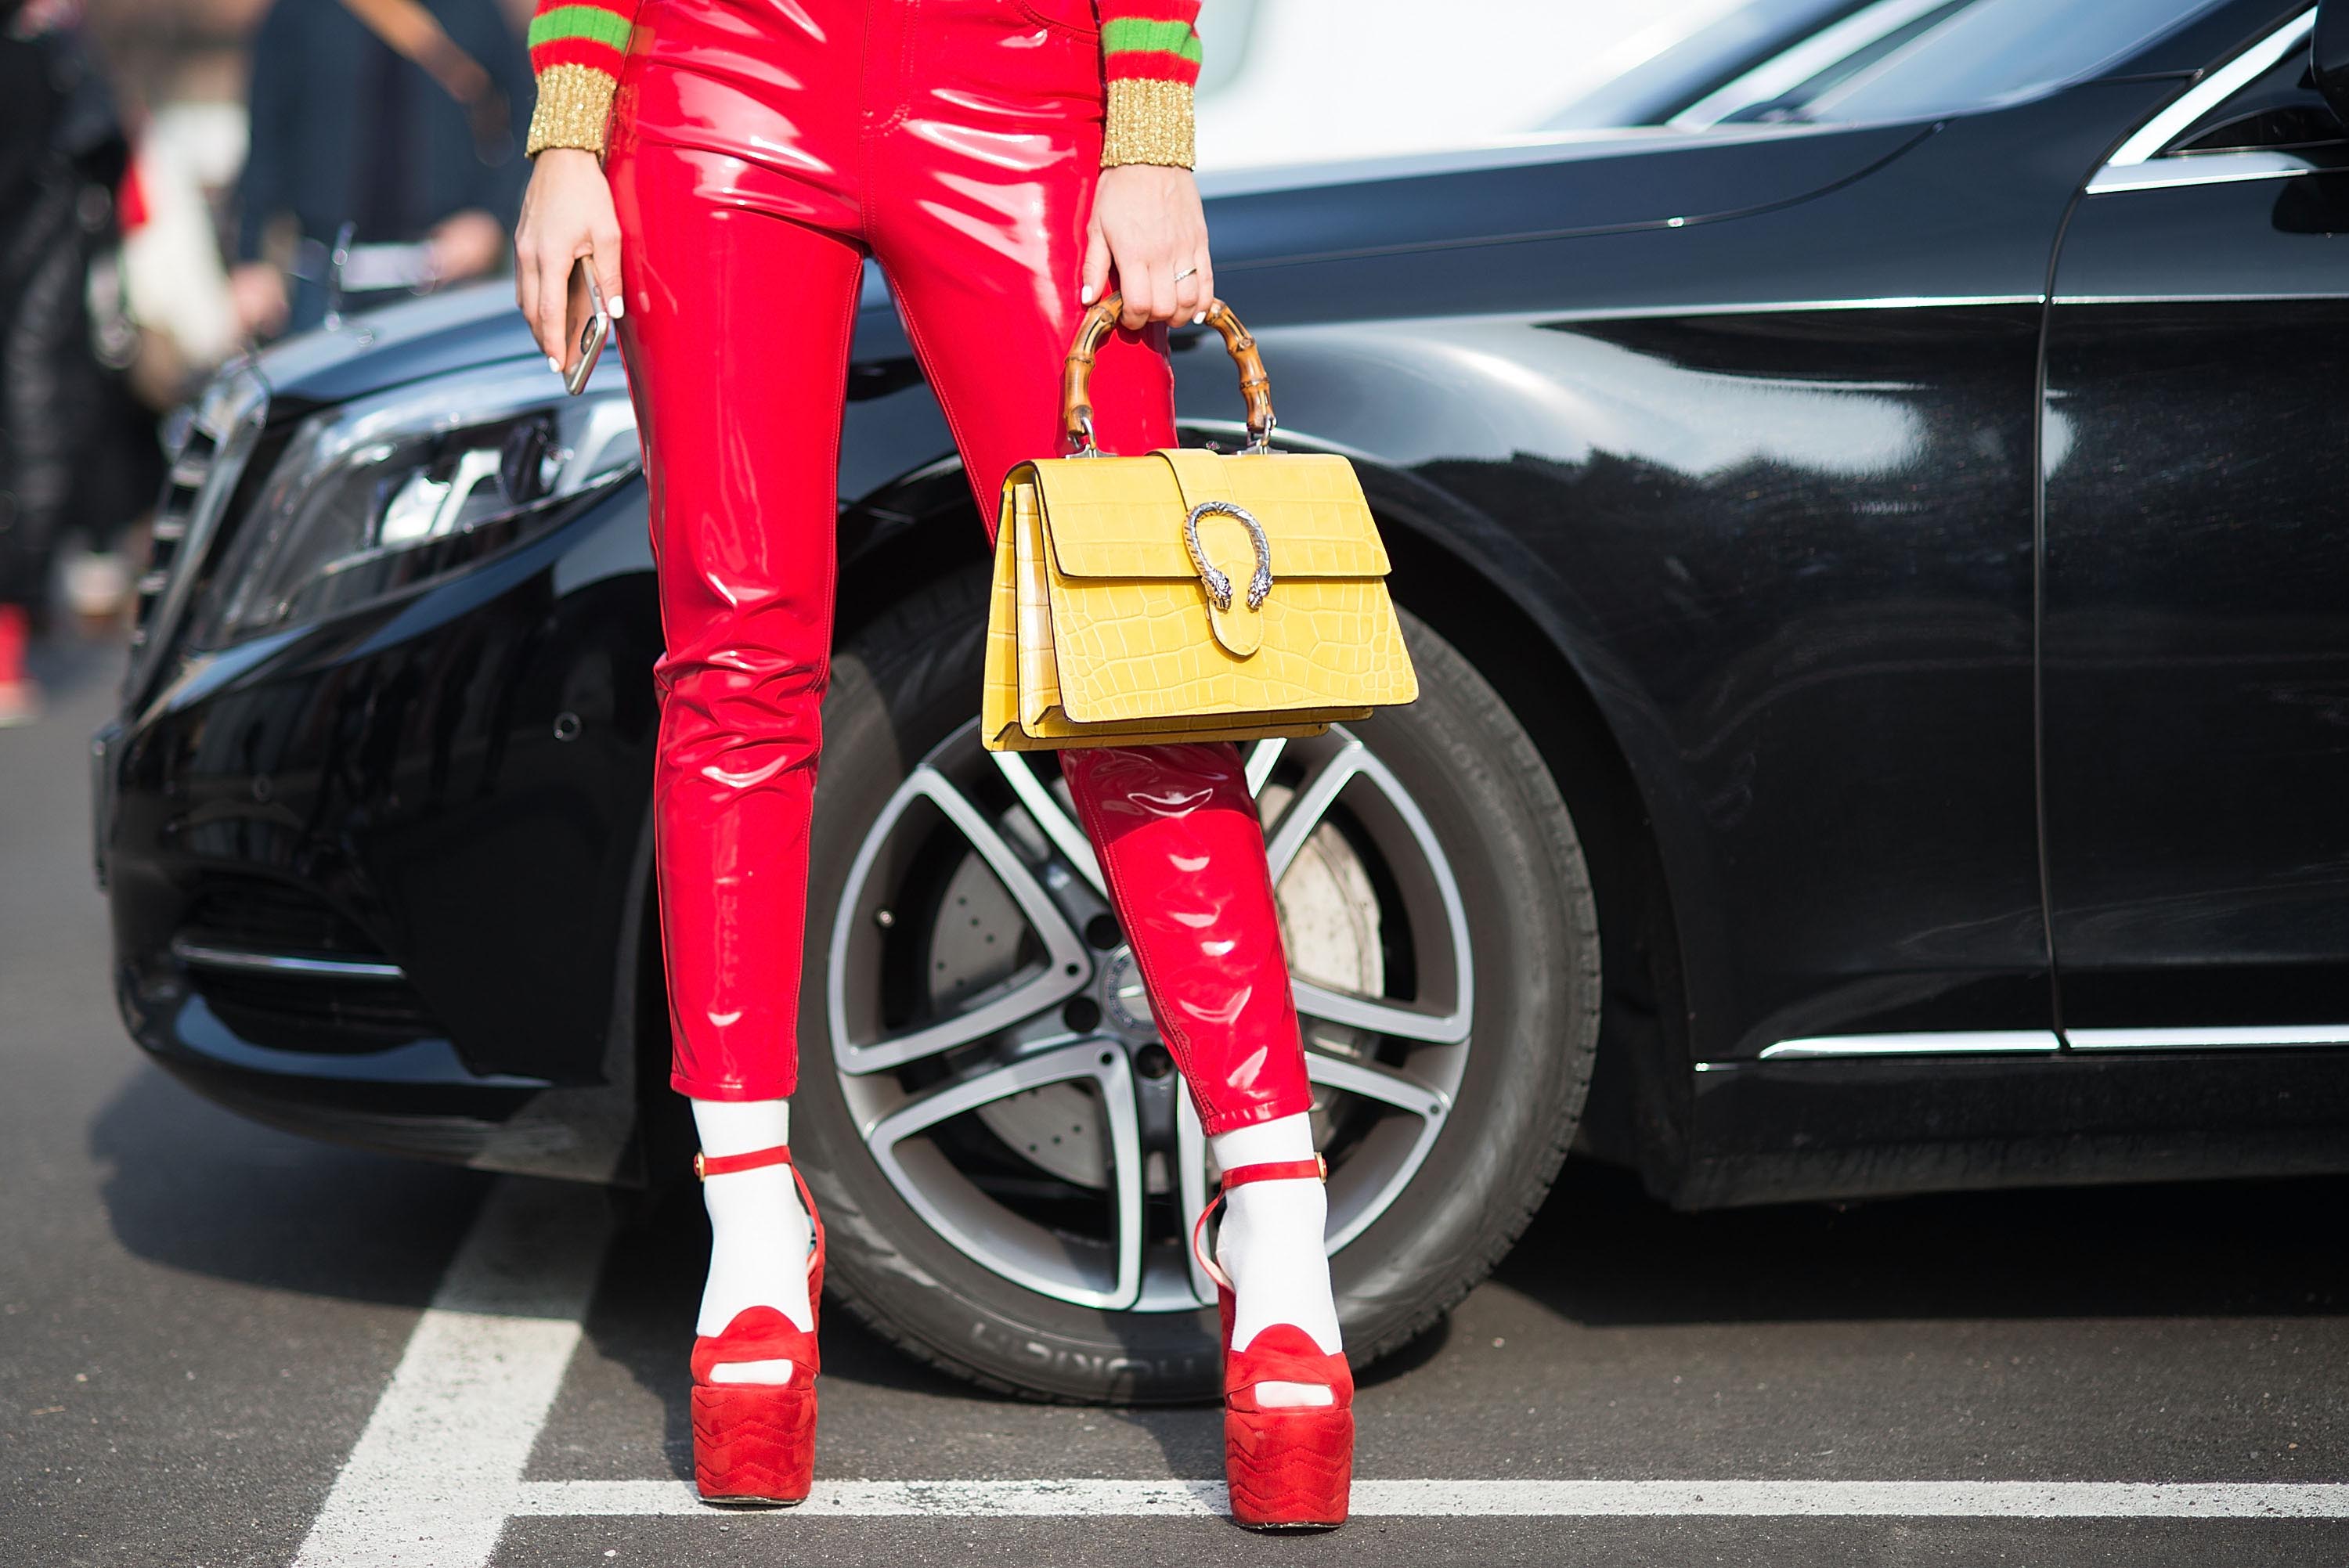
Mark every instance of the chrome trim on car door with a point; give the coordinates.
(2045, 1042)
(2201, 169)
(1932, 1043)
(2251, 1037)
(2139, 163)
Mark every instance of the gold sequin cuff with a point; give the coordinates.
(574, 102)
(1148, 121)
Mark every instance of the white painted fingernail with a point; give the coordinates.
(1198, 318)
(1085, 294)
(617, 308)
(554, 365)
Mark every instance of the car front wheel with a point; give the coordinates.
(1000, 1144)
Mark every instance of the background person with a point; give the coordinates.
(402, 117)
(74, 450)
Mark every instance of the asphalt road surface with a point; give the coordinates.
(222, 1345)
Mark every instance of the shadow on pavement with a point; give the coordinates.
(1601, 1252)
(190, 1186)
(195, 1188)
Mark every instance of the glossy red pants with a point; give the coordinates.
(759, 150)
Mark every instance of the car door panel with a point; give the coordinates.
(2196, 610)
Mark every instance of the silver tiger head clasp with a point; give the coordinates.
(1219, 586)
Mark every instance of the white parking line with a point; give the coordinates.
(437, 1473)
(432, 1477)
(1496, 1499)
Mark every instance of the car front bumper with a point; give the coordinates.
(382, 880)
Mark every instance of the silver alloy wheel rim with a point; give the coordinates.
(1058, 1023)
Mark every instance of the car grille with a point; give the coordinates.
(274, 917)
(178, 501)
(301, 1013)
(210, 443)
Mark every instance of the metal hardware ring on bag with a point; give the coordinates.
(1219, 586)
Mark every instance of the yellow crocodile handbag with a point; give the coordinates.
(1185, 594)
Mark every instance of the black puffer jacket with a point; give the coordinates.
(62, 448)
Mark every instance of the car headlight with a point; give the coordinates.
(377, 496)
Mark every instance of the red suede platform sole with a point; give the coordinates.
(1289, 1469)
(753, 1444)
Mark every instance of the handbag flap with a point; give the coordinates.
(1123, 517)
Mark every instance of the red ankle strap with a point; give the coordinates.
(1277, 1171)
(1241, 1176)
(705, 1166)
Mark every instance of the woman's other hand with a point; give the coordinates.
(1147, 221)
(566, 214)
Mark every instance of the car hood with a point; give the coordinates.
(1574, 182)
(1566, 183)
(456, 329)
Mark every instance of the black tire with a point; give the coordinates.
(909, 681)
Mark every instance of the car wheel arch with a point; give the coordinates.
(901, 537)
(1639, 1108)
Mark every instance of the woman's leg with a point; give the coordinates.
(978, 212)
(738, 393)
(737, 397)
(1182, 851)
(1180, 846)
(990, 310)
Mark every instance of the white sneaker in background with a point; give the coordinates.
(98, 584)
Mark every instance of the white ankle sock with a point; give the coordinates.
(1270, 1243)
(759, 1232)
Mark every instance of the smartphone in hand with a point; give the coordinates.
(586, 325)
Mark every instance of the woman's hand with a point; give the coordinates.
(566, 214)
(1147, 221)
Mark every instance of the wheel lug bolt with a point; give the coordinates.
(1103, 933)
(1083, 1015)
(1154, 1062)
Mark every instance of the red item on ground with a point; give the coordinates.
(14, 625)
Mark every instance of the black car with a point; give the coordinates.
(1871, 540)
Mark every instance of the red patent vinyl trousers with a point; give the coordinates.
(759, 150)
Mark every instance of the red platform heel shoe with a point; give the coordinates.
(1290, 1466)
(754, 1444)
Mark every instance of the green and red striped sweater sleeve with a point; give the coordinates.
(1150, 54)
(1150, 58)
(575, 49)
